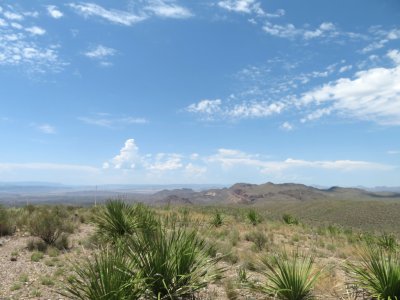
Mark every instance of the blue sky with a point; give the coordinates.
(208, 91)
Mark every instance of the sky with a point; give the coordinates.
(205, 91)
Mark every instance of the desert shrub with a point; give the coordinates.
(110, 275)
(217, 220)
(254, 217)
(62, 242)
(36, 245)
(7, 226)
(258, 238)
(377, 271)
(46, 225)
(289, 277)
(174, 261)
(290, 220)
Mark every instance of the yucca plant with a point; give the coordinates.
(289, 277)
(118, 219)
(217, 219)
(387, 242)
(110, 275)
(254, 217)
(174, 262)
(377, 271)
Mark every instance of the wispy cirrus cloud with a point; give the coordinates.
(218, 110)
(167, 9)
(111, 121)
(44, 128)
(115, 16)
(145, 10)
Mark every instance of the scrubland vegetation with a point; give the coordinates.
(132, 251)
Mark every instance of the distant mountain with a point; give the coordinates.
(239, 193)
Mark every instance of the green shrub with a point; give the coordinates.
(7, 226)
(47, 225)
(290, 220)
(378, 272)
(36, 256)
(289, 278)
(258, 238)
(36, 244)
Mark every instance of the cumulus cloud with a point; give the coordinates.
(127, 158)
(54, 12)
(372, 95)
(112, 15)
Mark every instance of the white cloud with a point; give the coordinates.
(54, 12)
(229, 158)
(290, 31)
(194, 170)
(112, 121)
(317, 114)
(255, 109)
(394, 55)
(286, 126)
(128, 156)
(382, 37)
(45, 128)
(372, 95)
(242, 6)
(205, 106)
(166, 9)
(35, 30)
(345, 68)
(211, 109)
(165, 162)
(100, 52)
(47, 166)
(13, 16)
(112, 15)
(16, 25)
